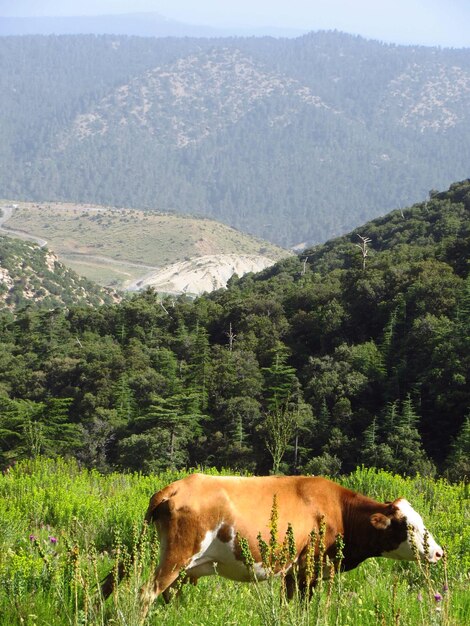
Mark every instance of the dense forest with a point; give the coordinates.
(293, 140)
(357, 352)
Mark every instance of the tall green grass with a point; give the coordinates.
(61, 529)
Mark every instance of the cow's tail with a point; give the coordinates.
(120, 570)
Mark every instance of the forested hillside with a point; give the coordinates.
(357, 352)
(33, 276)
(291, 140)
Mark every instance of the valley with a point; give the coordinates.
(130, 249)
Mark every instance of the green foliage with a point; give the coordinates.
(162, 432)
(395, 443)
(280, 380)
(30, 429)
(279, 426)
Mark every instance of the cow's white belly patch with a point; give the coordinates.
(218, 557)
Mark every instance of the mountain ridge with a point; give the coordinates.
(141, 24)
(231, 75)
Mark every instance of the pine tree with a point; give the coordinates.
(458, 462)
(11, 431)
(280, 382)
(60, 436)
(402, 449)
(199, 367)
(370, 448)
(124, 400)
(390, 333)
(279, 428)
(173, 422)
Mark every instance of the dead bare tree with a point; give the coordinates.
(231, 337)
(364, 249)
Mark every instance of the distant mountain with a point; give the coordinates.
(33, 275)
(294, 141)
(197, 96)
(133, 24)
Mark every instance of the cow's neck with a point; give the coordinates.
(361, 539)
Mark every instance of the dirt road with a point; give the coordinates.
(5, 216)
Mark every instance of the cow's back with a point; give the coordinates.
(243, 505)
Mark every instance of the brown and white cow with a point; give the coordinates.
(200, 519)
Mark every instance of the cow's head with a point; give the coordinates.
(405, 533)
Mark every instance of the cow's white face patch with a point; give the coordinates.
(416, 535)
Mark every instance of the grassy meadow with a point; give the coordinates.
(61, 528)
(81, 235)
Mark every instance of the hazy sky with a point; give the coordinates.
(428, 22)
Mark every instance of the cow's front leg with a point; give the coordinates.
(165, 575)
(176, 588)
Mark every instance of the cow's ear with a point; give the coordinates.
(380, 521)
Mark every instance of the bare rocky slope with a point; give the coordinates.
(204, 274)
